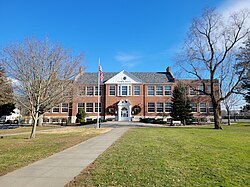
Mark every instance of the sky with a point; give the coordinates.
(132, 35)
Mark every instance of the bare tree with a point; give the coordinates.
(231, 102)
(209, 54)
(43, 75)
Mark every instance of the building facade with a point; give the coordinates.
(129, 96)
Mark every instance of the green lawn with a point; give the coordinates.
(18, 151)
(193, 156)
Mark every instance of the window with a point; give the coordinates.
(96, 90)
(192, 91)
(65, 107)
(168, 107)
(90, 90)
(167, 90)
(55, 108)
(159, 107)
(96, 107)
(124, 90)
(209, 89)
(203, 107)
(151, 90)
(151, 107)
(210, 107)
(54, 120)
(111, 90)
(89, 107)
(159, 90)
(80, 105)
(81, 90)
(194, 107)
(201, 88)
(137, 90)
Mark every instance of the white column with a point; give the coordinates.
(119, 113)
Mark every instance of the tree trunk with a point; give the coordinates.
(217, 124)
(33, 132)
(228, 118)
(40, 120)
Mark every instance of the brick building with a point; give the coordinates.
(129, 96)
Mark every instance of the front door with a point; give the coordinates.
(124, 111)
(124, 114)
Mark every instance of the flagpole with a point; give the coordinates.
(98, 96)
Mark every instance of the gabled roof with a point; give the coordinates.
(124, 77)
(145, 77)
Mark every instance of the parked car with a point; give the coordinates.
(13, 118)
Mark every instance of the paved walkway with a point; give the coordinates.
(60, 168)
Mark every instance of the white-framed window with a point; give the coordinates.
(90, 90)
(203, 107)
(55, 109)
(80, 105)
(81, 90)
(137, 90)
(167, 90)
(89, 107)
(65, 107)
(159, 90)
(168, 107)
(159, 107)
(192, 91)
(194, 107)
(201, 87)
(100, 107)
(151, 90)
(151, 107)
(124, 90)
(111, 90)
(210, 107)
(96, 90)
(209, 89)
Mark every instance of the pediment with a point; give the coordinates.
(123, 77)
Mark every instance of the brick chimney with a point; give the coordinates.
(81, 70)
(168, 69)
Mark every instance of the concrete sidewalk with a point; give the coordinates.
(62, 167)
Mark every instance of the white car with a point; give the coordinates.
(13, 118)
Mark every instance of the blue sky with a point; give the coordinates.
(135, 35)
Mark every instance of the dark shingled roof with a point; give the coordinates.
(145, 77)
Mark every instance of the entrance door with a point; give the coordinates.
(124, 111)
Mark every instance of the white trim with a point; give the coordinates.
(118, 79)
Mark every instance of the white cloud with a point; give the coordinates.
(230, 6)
(128, 60)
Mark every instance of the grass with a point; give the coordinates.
(194, 156)
(18, 151)
(27, 129)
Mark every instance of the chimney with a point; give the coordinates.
(80, 70)
(168, 69)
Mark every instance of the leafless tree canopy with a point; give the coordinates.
(42, 72)
(210, 50)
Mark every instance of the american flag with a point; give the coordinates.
(101, 73)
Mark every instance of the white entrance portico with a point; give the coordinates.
(124, 110)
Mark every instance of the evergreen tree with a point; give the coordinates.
(80, 116)
(244, 63)
(182, 110)
(6, 94)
